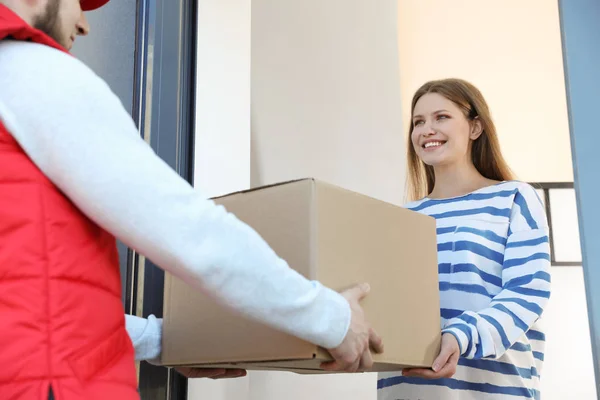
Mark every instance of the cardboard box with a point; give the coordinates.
(339, 238)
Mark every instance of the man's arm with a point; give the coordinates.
(77, 132)
(146, 334)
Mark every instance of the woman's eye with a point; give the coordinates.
(417, 123)
(443, 117)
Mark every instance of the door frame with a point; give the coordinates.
(581, 58)
(164, 111)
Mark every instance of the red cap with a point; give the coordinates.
(89, 5)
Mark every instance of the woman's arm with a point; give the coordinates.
(490, 332)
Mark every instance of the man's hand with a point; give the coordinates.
(216, 373)
(354, 354)
(444, 365)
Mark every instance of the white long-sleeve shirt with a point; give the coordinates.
(78, 133)
(146, 336)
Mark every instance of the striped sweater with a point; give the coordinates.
(494, 274)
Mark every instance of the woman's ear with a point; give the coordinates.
(476, 128)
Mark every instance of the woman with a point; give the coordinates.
(493, 254)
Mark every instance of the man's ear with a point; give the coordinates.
(476, 128)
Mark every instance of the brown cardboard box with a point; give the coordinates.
(339, 238)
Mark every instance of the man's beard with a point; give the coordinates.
(49, 22)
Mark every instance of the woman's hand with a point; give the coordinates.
(444, 365)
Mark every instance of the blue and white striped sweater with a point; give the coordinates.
(494, 271)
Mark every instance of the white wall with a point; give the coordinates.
(568, 370)
(222, 158)
(326, 104)
(325, 94)
(222, 153)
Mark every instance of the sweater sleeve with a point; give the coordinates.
(490, 332)
(80, 136)
(146, 336)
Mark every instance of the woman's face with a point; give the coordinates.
(441, 133)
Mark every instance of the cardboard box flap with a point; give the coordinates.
(263, 187)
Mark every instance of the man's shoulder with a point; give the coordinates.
(18, 58)
(43, 86)
(25, 49)
(52, 77)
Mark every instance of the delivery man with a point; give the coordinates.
(75, 174)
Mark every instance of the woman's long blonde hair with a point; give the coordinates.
(485, 150)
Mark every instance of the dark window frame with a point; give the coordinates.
(168, 28)
(547, 187)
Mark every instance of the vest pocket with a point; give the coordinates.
(94, 360)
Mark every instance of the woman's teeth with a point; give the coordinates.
(432, 144)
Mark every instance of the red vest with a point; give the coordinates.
(62, 321)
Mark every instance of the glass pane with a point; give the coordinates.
(565, 226)
(110, 49)
(567, 344)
